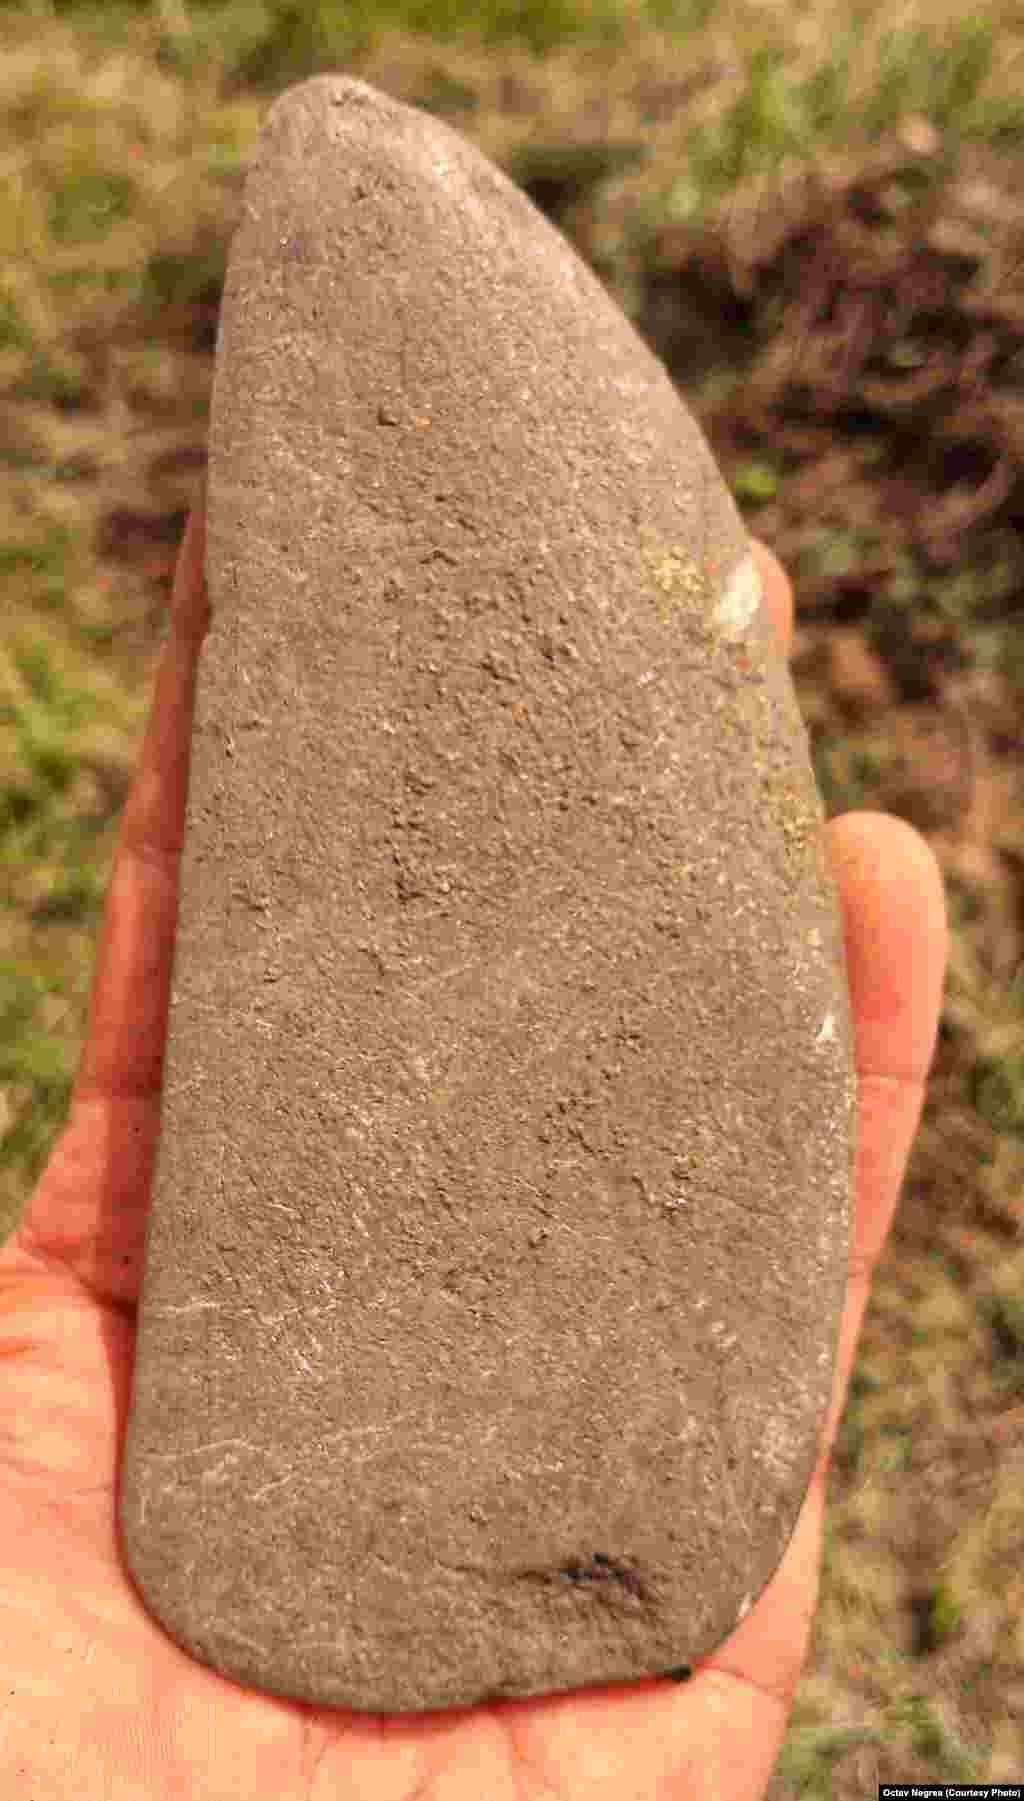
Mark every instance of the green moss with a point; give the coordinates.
(809, 1756)
(932, 1739)
(87, 204)
(15, 331)
(755, 482)
(998, 1092)
(35, 1063)
(945, 1616)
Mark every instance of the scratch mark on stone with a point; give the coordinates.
(239, 1638)
(269, 1487)
(188, 1307)
(216, 1444)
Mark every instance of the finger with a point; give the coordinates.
(777, 594)
(897, 945)
(896, 937)
(128, 1013)
(88, 1209)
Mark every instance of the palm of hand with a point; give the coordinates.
(97, 1700)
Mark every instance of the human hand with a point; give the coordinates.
(95, 1699)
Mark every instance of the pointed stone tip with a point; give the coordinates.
(341, 107)
(319, 93)
(343, 157)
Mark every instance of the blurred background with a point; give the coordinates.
(813, 211)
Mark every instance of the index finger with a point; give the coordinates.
(88, 1209)
(777, 593)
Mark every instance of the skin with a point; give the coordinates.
(95, 1699)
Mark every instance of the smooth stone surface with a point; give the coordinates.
(499, 1227)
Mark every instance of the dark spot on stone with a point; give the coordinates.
(602, 1568)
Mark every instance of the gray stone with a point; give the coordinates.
(499, 1227)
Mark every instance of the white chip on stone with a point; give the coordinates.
(740, 601)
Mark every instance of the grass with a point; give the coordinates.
(744, 178)
(62, 734)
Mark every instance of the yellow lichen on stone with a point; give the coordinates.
(726, 609)
(679, 584)
(798, 828)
